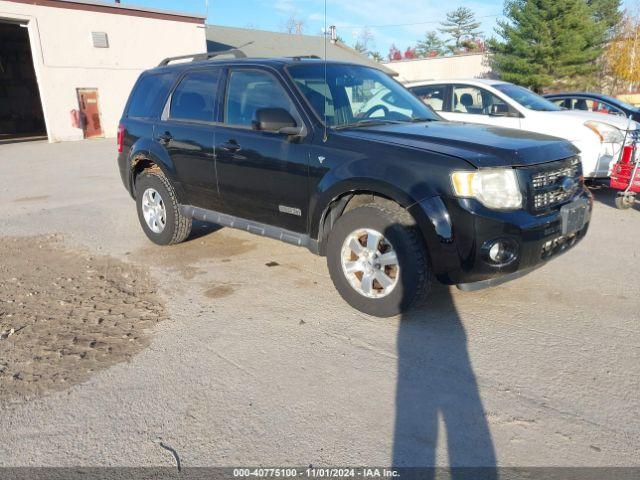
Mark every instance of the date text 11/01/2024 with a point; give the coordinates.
(312, 472)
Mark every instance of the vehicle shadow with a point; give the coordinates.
(202, 229)
(437, 394)
(607, 196)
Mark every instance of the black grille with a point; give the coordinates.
(554, 183)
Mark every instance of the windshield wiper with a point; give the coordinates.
(366, 123)
(418, 120)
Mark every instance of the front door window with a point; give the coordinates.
(477, 101)
(251, 90)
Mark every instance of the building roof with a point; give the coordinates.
(263, 44)
(118, 9)
(471, 81)
(439, 57)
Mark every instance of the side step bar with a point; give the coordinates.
(262, 229)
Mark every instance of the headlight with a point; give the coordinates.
(607, 133)
(495, 188)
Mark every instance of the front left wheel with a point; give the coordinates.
(377, 260)
(158, 209)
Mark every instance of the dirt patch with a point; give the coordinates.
(31, 199)
(305, 283)
(65, 315)
(186, 257)
(219, 291)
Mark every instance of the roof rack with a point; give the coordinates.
(197, 57)
(304, 57)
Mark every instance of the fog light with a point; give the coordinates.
(500, 252)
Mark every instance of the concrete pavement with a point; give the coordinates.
(258, 364)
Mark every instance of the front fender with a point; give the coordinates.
(433, 219)
(366, 175)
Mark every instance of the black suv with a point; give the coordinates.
(343, 160)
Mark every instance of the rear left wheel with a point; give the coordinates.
(158, 209)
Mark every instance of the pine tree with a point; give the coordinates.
(377, 56)
(607, 13)
(460, 25)
(547, 42)
(431, 45)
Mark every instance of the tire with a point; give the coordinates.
(174, 227)
(624, 202)
(411, 276)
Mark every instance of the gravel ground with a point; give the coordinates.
(236, 350)
(64, 315)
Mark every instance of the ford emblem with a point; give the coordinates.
(568, 184)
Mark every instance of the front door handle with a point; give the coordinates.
(231, 146)
(165, 138)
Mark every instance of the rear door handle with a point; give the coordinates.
(230, 146)
(165, 138)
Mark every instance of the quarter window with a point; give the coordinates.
(195, 97)
(149, 95)
(251, 90)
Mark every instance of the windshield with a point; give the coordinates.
(527, 98)
(356, 95)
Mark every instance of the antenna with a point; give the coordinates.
(326, 84)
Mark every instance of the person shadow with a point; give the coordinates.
(437, 394)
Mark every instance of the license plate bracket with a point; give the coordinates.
(574, 216)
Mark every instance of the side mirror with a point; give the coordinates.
(276, 120)
(499, 110)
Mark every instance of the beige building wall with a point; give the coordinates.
(442, 68)
(65, 58)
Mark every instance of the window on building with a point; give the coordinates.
(100, 39)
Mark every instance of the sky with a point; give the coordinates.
(399, 22)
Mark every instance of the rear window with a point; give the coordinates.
(149, 95)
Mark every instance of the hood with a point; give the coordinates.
(480, 145)
(579, 115)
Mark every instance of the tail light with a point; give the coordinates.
(627, 154)
(121, 132)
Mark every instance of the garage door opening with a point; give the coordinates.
(21, 116)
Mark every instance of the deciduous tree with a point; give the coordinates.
(365, 42)
(394, 53)
(622, 55)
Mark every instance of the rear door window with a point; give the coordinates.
(149, 95)
(194, 99)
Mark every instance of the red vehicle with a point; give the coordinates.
(625, 176)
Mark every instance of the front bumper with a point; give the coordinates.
(494, 282)
(462, 260)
